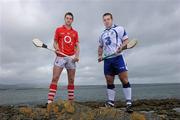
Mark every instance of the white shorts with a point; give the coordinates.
(65, 62)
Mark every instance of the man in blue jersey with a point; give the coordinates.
(111, 41)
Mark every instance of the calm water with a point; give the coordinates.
(89, 93)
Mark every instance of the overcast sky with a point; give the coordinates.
(155, 23)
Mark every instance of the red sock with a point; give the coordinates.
(52, 92)
(70, 92)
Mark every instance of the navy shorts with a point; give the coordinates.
(114, 66)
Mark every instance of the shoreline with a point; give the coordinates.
(169, 108)
(118, 103)
(165, 108)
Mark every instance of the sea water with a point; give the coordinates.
(88, 93)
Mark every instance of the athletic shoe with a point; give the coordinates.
(129, 108)
(44, 105)
(109, 104)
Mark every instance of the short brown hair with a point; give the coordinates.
(106, 14)
(69, 13)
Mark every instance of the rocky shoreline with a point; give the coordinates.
(164, 109)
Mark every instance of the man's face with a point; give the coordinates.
(68, 20)
(107, 21)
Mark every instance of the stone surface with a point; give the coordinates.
(177, 109)
(64, 110)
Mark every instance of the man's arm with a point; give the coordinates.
(125, 42)
(77, 48)
(56, 47)
(55, 44)
(100, 53)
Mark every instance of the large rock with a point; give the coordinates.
(64, 110)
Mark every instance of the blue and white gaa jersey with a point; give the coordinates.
(111, 39)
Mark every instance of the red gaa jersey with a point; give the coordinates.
(67, 40)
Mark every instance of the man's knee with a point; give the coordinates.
(123, 77)
(109, 79)
(124, 80)
(110, 82)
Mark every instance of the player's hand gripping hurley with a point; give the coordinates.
(129, 45)
(40, 44)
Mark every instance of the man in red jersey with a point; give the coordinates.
(65, 41)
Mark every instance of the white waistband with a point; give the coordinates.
(115, 55)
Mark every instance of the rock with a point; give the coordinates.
(137, 116)
(65, 110)
(162, 116)
(177, 109)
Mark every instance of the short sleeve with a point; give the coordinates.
(56, 35)
(125, 36)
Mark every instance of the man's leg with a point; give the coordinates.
(110, 90)
(70, 87)
(53, 86)
(123, 76)
(126, 86)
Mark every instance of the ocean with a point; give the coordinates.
(12, 96)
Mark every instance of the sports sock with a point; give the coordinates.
(52, 92)
(111, 93)
(127, 93)
(70, 92)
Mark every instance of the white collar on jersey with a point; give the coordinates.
(113, 26)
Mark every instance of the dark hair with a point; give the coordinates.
(69, 13)
(106, 14)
